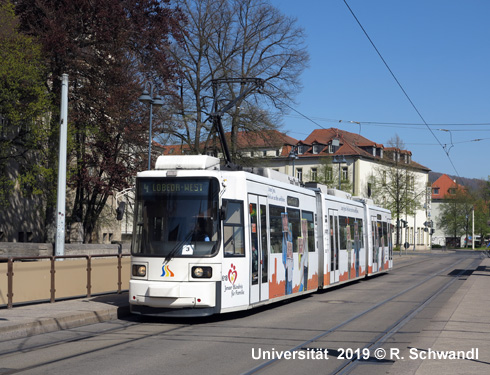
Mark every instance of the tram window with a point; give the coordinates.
(275, 225)
(380, 235)
(385, 233)
(310, 229)
(263, 233)
(359, 234)
(343, 232)
(255, 243)
(295, 226)
(167, 213)
(333, 244)
(233, 232)
(390, 240)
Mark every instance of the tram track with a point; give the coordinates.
(82, 337)
(348, 365)
(89, 335)
(125, 334)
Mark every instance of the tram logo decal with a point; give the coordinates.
(166, 271)
(235, 289)
(232, 274)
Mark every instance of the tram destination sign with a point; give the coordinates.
(163, 187)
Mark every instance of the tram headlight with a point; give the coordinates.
(139, 270)
(200, 272)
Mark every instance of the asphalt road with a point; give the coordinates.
(344, 330)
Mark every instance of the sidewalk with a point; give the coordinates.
(23, 321)
(461, 325)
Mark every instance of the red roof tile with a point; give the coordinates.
(443, 184)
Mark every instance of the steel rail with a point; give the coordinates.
(355, 317)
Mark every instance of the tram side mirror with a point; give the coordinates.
(120, 210)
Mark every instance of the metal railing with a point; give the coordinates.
(28, 279)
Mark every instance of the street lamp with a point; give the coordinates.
(339, 161)
(293, 154)
(154, 100)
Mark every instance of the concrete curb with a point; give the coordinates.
(32, 320)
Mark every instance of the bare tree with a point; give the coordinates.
(235, 39)
(394, 184)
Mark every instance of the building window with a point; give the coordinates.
(452, 191)
(435, 190)
(369, 192)
(264, 153)
(328, 174)
(299, 173)
(317, 149)
(277, 153)
(314, 174)
(345, 174)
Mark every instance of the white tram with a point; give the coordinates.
(209, 241)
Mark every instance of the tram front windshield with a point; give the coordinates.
(176, 217)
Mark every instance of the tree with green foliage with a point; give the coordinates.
(25, 107)
(482, 209)
(481, 216)
(455, 213)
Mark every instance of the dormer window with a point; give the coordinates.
(317, 148)
(301, 149)
(334, 145)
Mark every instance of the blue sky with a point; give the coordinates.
(439, 50)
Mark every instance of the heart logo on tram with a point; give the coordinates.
(232, 274)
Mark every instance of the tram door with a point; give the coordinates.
(259, 249)
(334, 245)
(375, 237)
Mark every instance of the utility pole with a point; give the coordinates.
(60, 207)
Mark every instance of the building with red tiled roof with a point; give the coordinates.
(264, 143)
(442, 189)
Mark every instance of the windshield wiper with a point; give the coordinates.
(177, 247)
